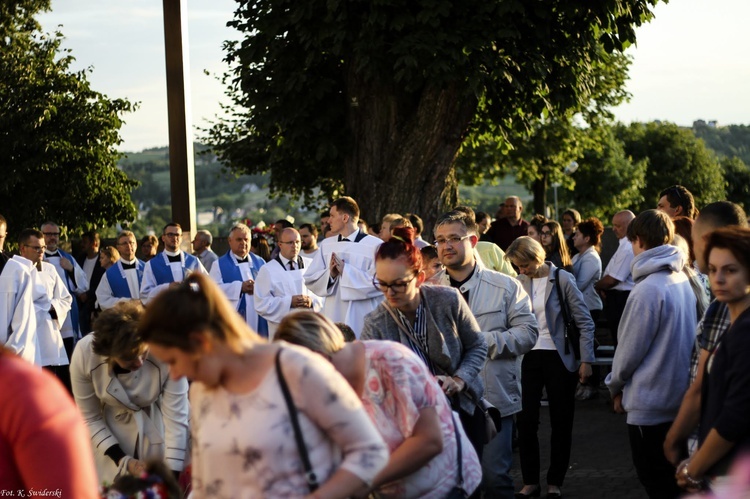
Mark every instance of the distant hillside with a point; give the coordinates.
(247, 196)
(727, 141)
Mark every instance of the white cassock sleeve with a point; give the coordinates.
(82, 282)
(104, 295)
(149, 287)
(17, 313)
(272, 300)
(232, 290)
(318, 275)
(61, 300)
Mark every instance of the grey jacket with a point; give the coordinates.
(587, 269)
(576, 307)
(455, 343)
(503, 311)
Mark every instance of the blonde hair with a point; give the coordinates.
(525, 249)
(311, 330)
(196, 305)
(111, 253)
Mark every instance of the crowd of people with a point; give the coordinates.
(357, 360)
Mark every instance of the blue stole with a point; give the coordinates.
(230, 272)
(163, 271)
(117, 281)
(74, 306)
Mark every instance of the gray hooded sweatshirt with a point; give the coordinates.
(656, 335)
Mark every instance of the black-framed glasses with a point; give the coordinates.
(396, 287)
(173, 234)
(38, 249)
(548, 233)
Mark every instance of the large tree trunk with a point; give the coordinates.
(404, 148)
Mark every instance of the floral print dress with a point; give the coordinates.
(243, 444)
(397, 386)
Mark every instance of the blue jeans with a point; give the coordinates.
(497, 460)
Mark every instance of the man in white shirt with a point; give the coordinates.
(17, 316)
(202, 249)
(74, 278)
(617, 281)
(122, 281)
(169, 267)
(308, 233)
(235, 273)
(343, 270)
(52, 302)
(280, 287)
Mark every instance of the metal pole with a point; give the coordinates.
(181, 165)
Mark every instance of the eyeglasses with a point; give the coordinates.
(290, 242)
(396, 287)
(546, 234)
(450, 240)
(126, 243)
(38, 249)
(51, 233)
(173, 234)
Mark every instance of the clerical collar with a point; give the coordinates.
(240, 259)
(351, 237)
(458, 284)
(51, 253)
(128, 265)
(172, 253)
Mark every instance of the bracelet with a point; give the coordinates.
(692, 482)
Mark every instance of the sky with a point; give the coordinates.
(691, 62)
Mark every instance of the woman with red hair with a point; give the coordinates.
(435, 322)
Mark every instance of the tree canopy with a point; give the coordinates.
(675, 156)
(374, 99)
(57, 134)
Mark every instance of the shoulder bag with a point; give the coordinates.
(458, 491)
(310, 477)
(572, 333)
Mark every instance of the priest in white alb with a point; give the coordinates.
(235, 273)
(170, 267)
(122, 281)
(343, 270)
(280, 287)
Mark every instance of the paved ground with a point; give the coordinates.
(600, 464)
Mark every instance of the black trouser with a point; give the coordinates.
(540, 369)
(614, 308)
(475, 429)
(654, 471)
(63, 374)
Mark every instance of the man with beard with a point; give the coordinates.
(309, 235)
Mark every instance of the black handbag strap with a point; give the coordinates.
(310, 477)
(458, 452)
(563, 308)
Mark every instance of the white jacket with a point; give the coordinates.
(143, 407)
(503, 310)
